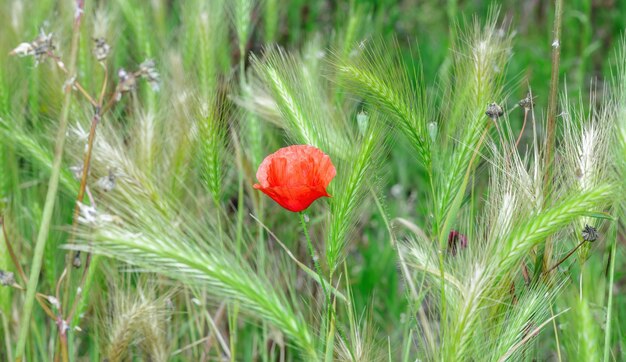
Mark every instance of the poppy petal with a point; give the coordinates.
(295, 176)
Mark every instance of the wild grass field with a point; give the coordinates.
(273, 180)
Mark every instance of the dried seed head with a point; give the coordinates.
(6, 278)
(527, 103)
(148, 71)
(494, 111)
(38, 48)
(127, 83)
(101, 49)
(590, 233)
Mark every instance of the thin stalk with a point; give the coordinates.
(53, 183)
(609, 306)
(71, 260)
(16, 262)
(64, 354)
(7, 336)
(316, 262)
(443, 232)
(328, 319)
(565, 257)
(556, 336)
(86, 165)
(545, 249)
(552, 101)
(521, 132)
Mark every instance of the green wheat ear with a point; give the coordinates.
(380, 75)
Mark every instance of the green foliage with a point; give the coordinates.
(438, 211)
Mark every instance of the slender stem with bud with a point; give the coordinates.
(327, 300)
(51, 196)
(521, 132)
(316, 262)
(565, 257)
(554, 86)
(545, 249)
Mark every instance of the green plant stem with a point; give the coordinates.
(16, 262)
(609, 306)
(552, 101)
(565, 257)
(446, 226)
(556, 335)
(316, 263)
(545, 249)
(318, 269)
(53, 184)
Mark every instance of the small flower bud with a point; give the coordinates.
(6, 278)
(494, 111)
(456, 239)
(590, 233)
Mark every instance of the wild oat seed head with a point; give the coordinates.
(494, 111)
(590, 233)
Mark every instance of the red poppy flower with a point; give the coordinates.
(295, 176)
